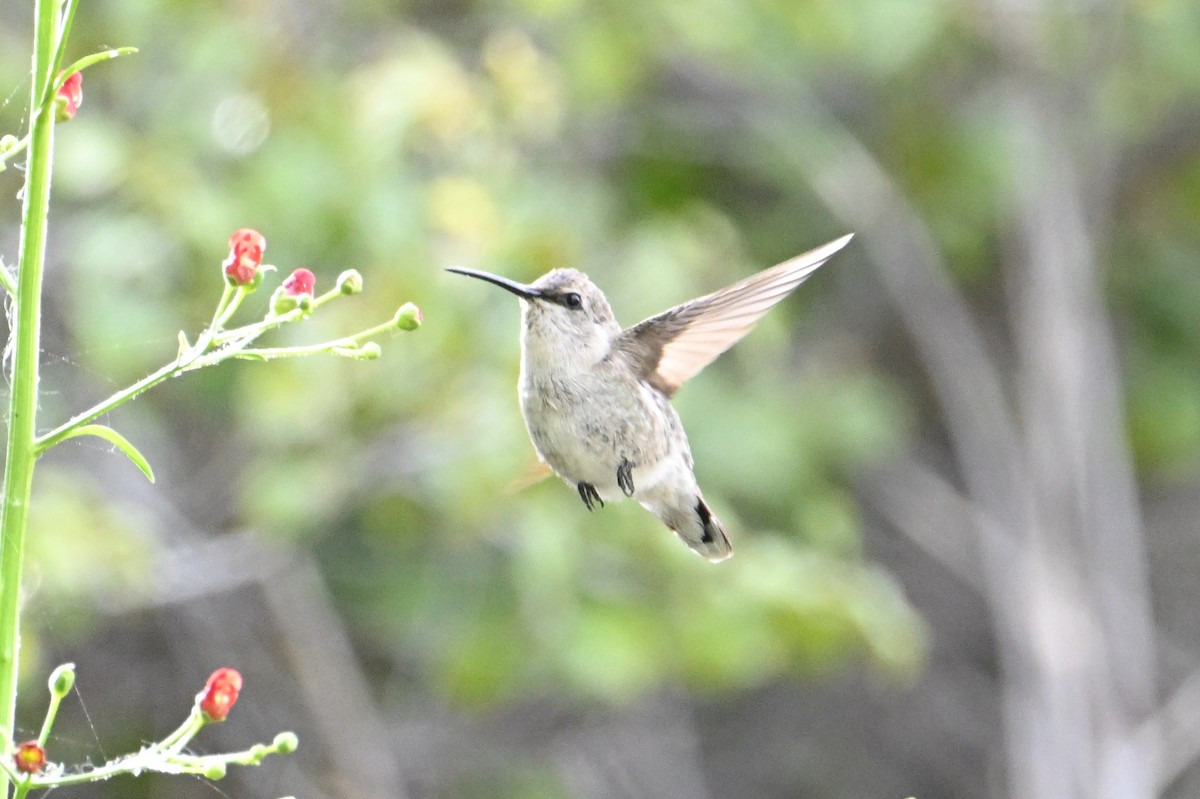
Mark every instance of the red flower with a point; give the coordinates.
(300, 282)
(219, 694)
(30, 758)
(246, 248)
(69, 97)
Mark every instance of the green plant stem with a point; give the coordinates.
(66, 20)
(48, 722)
(211, 348)
(159, 758)
(225, 308)
(177, 367)
(347, 342)
(183, 734)
(243, 335)
(197, 357)
(20, 450)
(81, 64)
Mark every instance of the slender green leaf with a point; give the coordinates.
(117, 440)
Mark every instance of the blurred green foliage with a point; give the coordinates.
(398, 138)
(397, 150)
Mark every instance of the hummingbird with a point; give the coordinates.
(596, 396)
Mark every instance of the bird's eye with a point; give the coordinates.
(572, 301)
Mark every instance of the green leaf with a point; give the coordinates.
(117, 440)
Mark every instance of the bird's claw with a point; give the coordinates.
(625, 477)
(589, 495)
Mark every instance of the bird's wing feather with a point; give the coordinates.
(538, 471)
(675, 345)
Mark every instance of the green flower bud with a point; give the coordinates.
(350, 282)
(257, 280)
(408, 317)
(282, 302)
(62, 680)
(362, 352)
(216, 771)
(285, 743)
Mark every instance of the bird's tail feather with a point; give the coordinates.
(699, 528)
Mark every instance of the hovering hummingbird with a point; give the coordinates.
(596, 398)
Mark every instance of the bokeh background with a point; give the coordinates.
(961, 466)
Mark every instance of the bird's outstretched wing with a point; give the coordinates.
(675, 345)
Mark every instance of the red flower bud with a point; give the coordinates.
(246, 248)
(29, 758)
(70, 97)
(300, 282)
(219, 694)
(247, 238)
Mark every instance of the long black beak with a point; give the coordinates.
(520, 289)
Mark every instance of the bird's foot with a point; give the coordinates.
(625, 477)
(589, 495)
